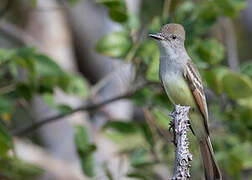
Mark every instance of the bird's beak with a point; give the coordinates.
(157, 36)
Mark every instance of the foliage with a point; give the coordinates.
(25, 73)
(85, 150)
(232, 89)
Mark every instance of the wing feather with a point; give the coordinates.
(194, 81)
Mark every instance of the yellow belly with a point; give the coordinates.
(179, 92)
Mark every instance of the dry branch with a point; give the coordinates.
(182, 155)
(88, 107)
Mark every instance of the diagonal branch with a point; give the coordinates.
(88, 107)
(17, 34)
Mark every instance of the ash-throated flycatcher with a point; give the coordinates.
(182, 83)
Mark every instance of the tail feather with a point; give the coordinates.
(212, 171)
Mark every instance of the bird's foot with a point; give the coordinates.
(171, 125)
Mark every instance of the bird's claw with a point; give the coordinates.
(171, 125)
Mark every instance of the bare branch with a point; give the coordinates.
(18, 34)
(166, 9)
(182, 154)
(88, 107)
(230, 41)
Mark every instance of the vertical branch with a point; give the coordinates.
(230, 41)
(166, 9)
(182, 154)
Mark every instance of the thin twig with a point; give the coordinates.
(87, 107)
(182, 154)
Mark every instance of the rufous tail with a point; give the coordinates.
(212, 171)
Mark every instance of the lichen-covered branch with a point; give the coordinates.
(182, 155)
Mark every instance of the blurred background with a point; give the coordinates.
(80, 96)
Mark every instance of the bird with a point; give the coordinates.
(182, 83)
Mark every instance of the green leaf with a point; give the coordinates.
(85, 150)
(49, 99)
(45, 67)
(147, 134)
(133, 22)
(153, 68)
(77, 86)
(184, 10)
(230, 8)
(115, 45)
(246, 68)
(122, 127)
(6, 104)
(214, 81)
(64, 108)
(118, 15)
(211, 51)
(162, 117)
(25, 90)
(13, 168)
(155, 25)
(148, 51)
(214, 77)
(110, 3)
(142, 97)
(237, 86)
(5, 141)
(139, 157)
(6, 55)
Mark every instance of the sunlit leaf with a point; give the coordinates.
(214, 77)
(246, 68)
(46, 67)
(6, 55)
(237, 86)
(211, 51)
(77, 86)
(115, 45)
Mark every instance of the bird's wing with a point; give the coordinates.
(192, 76)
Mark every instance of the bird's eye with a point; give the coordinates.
(174, 37)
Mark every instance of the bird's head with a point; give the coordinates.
(170, 38)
